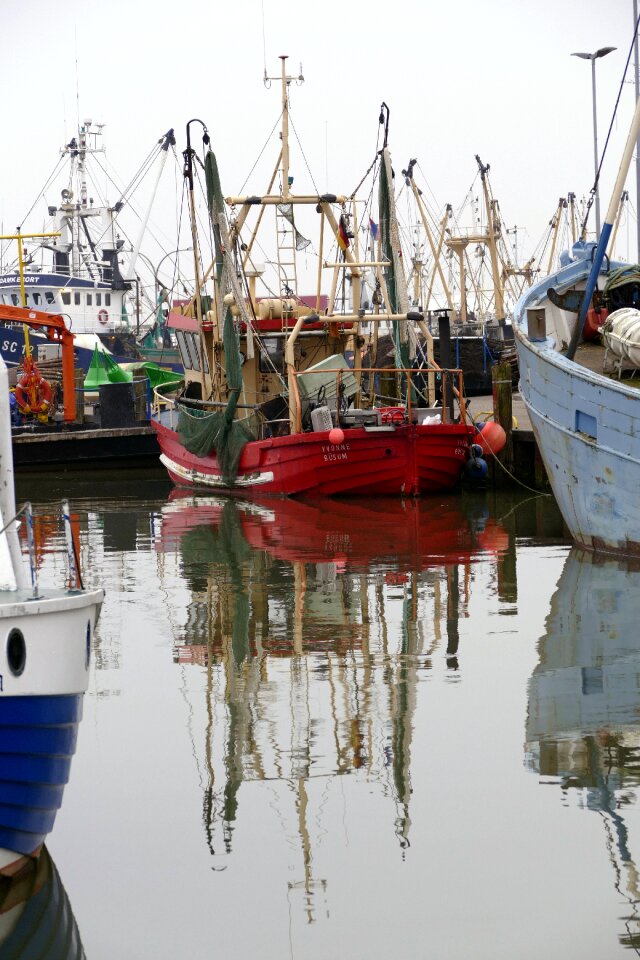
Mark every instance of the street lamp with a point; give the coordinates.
(602, 52)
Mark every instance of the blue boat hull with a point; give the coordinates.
(37, 742)
(587, 427)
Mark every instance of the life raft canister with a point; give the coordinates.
(33, 393)
(103, 316)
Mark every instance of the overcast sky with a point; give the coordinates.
(494, 78)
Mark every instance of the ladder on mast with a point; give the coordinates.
(286, 251)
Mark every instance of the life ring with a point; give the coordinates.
(103, 316)
(33, 393)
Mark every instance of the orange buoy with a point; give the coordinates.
(336, 435)
(491, 438)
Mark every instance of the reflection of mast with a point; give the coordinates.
(352, 688)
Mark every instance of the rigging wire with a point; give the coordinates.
(264, 147)
(303, 153)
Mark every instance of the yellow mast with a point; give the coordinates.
(19, 237)
(623, 199)
(435, 252)
(493, 227)
(555, 223)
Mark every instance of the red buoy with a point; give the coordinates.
(491, 438)
(593, 323)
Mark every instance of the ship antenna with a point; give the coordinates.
(266, 81)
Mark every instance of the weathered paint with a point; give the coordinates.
(595, 479)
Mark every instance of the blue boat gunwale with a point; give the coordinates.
(546, 349)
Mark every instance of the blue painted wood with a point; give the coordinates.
(37, 742)
(596, 482)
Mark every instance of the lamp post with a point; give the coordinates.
(602, 52)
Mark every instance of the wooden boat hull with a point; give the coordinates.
(587, 427)
(404, 460)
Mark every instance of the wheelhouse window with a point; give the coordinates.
(15, 299)
(76, 299)
(183, 347)
(66, 298)
(107, 299)
(36, 298)
(89, 299)
(195, 351)
(274, 349)
(98, 299)
(49, 296)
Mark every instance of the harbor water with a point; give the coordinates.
(348, 729)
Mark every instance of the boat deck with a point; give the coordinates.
(591, 356)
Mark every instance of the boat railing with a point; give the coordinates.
(420, 384)
(420, 387)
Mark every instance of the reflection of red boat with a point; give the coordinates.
(410, 534)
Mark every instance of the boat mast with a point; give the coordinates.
(285, 127)
(572, 213)
(434, 252)
(168, 140)
(286, 233)
(555, 223)
(494, 232)
(78, 150)
(623, 199)
(197, 298)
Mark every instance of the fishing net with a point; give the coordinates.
(225, 546)
(394, 273)
(286, 210)
(200, 431)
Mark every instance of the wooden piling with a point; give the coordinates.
(503, 414)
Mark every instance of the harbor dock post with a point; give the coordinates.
(503, 414)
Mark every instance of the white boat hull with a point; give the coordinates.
(46, 636)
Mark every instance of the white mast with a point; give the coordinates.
(168, 140)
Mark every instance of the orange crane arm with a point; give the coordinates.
(57, 330)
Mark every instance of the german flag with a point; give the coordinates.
(343, 234)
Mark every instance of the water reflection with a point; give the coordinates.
(583, 722)
(36, 920)
(315, 624)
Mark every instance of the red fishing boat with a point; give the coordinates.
(278, 396)
(403, 458)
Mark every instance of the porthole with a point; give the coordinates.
(16, 652)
